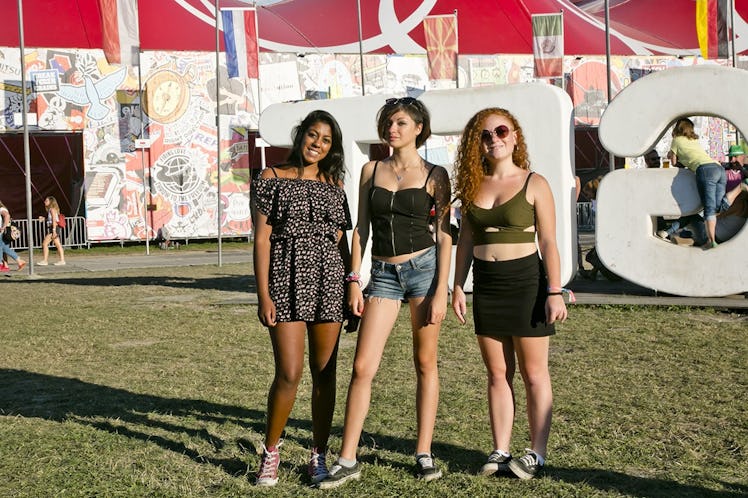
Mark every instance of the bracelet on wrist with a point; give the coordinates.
(558, 291)
(353, 276)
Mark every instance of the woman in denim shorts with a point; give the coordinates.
(409, 263)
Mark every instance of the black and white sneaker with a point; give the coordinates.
(340, 474)
(426, 469)
(526, 467)
(496, 463)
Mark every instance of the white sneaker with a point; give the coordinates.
(42, 263)
(60, 263)
(663, 235)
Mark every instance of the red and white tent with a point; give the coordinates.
(642, 27)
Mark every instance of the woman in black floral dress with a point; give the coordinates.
(300, 258)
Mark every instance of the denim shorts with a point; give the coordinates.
(414, 278)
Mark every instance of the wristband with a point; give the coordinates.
(353, 277)
(558, 291)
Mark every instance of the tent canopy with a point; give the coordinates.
(485, 26)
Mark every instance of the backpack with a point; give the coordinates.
(61, 220)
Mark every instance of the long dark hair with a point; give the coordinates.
(332, 166)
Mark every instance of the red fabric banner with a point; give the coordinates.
(119, 27)
(441, 46)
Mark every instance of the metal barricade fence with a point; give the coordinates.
(585, 217)
(73, 235)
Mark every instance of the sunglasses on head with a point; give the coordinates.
(501, 131)
(400, 101)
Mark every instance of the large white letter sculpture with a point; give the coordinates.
(543, 110)
(627, 201)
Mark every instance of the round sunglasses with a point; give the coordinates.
(501, 132)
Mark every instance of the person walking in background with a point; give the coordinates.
(300, 260)
(53, 232)
(409, 263)
(516, 296)
(5, 241)
(710, 175)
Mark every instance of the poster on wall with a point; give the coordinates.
(279, 82)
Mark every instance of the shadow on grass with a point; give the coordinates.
(457, 458)
(645, 487)
(143, 417)
(129, 414)
(236, 283)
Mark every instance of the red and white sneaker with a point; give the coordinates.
(317, 468)
(268, 473)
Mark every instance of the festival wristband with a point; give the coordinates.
(353, 277)
(558, 291)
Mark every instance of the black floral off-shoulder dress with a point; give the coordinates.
(306, 267)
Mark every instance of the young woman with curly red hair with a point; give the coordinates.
(516, 295)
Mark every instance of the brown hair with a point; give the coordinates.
(53, 204)
(470, 166)
(684, 128)
(414, 108)
(590, 188)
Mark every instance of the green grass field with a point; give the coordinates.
(154, 383)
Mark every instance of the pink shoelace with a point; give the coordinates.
(269, 465)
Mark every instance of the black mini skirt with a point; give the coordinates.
(509, 298)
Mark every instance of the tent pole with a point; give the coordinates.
(611, 157)
(360, 48)
(26, 154)
(219, 211)
(732, 34)
(734, 54)
(142, 160)
(457, 53)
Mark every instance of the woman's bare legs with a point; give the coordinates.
(498, 357)
(45, 247)
(532, 355)
(60, 250)
(376, 324)
(425, 346)
(288, 350)
(323, 357)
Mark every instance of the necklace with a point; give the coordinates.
(400, 177)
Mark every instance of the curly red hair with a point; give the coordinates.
(470, 167)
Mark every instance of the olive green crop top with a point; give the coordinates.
(505, 223)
